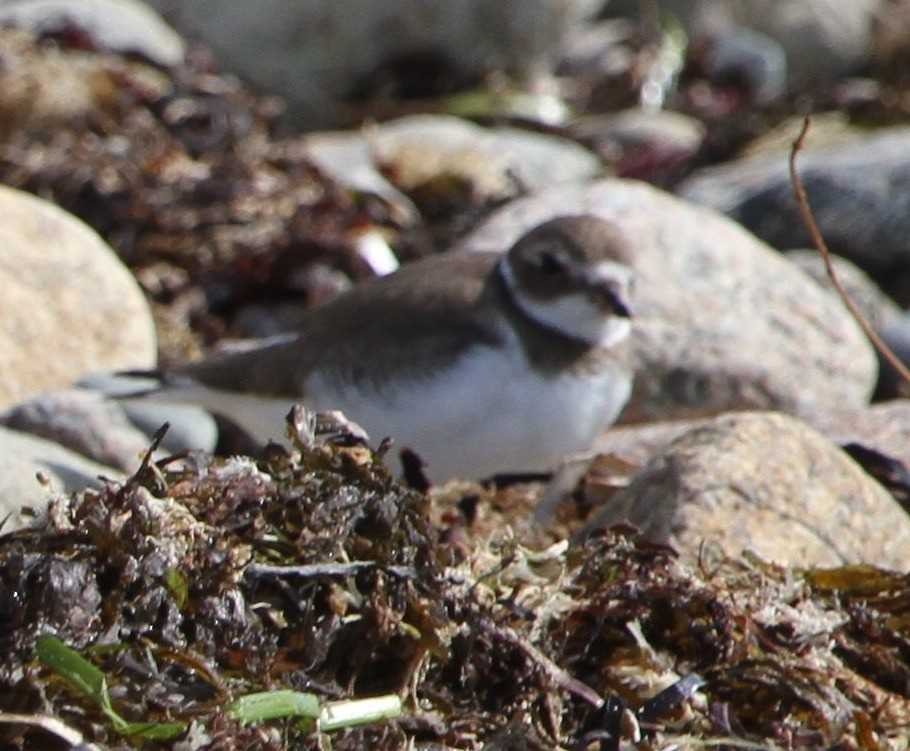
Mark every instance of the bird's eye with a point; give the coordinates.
(550, 264)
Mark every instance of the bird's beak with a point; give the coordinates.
(612, 297)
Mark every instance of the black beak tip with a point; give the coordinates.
(616, 304)
(622, 309)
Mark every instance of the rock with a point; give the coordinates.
(492, 163)
(83, 421)
(126, 26)
(190, 428)
(637, 444)
(68, 304)
(318, 53)
(767, 483)
(823, 39)
(721, 321)
(345, 157)
(742, 58)
(23, 457)
(896, 335)
(111, 432)
(595, 50)
(881, 427)
(875, 306)
(421, 148)
(653, 146)
(857, 193)
(884, 428)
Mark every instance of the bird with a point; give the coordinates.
(482, 363)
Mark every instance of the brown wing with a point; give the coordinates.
(359, 338)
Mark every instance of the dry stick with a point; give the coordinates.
(50, 725)
(820, 245)
(553, 671)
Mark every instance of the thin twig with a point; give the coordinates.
(50, 725)
(555, 673)
(819, 243)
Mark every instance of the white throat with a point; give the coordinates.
(574, 315)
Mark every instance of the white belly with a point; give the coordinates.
(487, 414)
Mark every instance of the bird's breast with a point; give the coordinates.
(489, 411)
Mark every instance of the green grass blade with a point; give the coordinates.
(155, 731)
(73, 667)
(271, 705)
(92, 682)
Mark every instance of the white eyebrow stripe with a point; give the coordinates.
(610, 270)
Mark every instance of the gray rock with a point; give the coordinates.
(23, 458)
(68, 305)
(315, 53)
(111, 432)
(345, 157)
(495, 162)
(857, 191)
(652, 146)
(874, 305)
(592, 51)
(896, 335)
(754, 59)
(423, 147)
(823, 39)
(884, 428)
(83, 421)
(190, 428)
(117, 25)
(767, 483)
(637, 444)
(722, 321)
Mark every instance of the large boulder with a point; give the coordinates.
(68, 305)
(769, 484)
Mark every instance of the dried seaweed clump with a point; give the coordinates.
(192, 585)
(200, 581)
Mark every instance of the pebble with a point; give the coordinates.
(896, 336)
(653, 146)
(883, 427)
(83, 421)
(822, 40)
(490, 163)
(879, 310)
